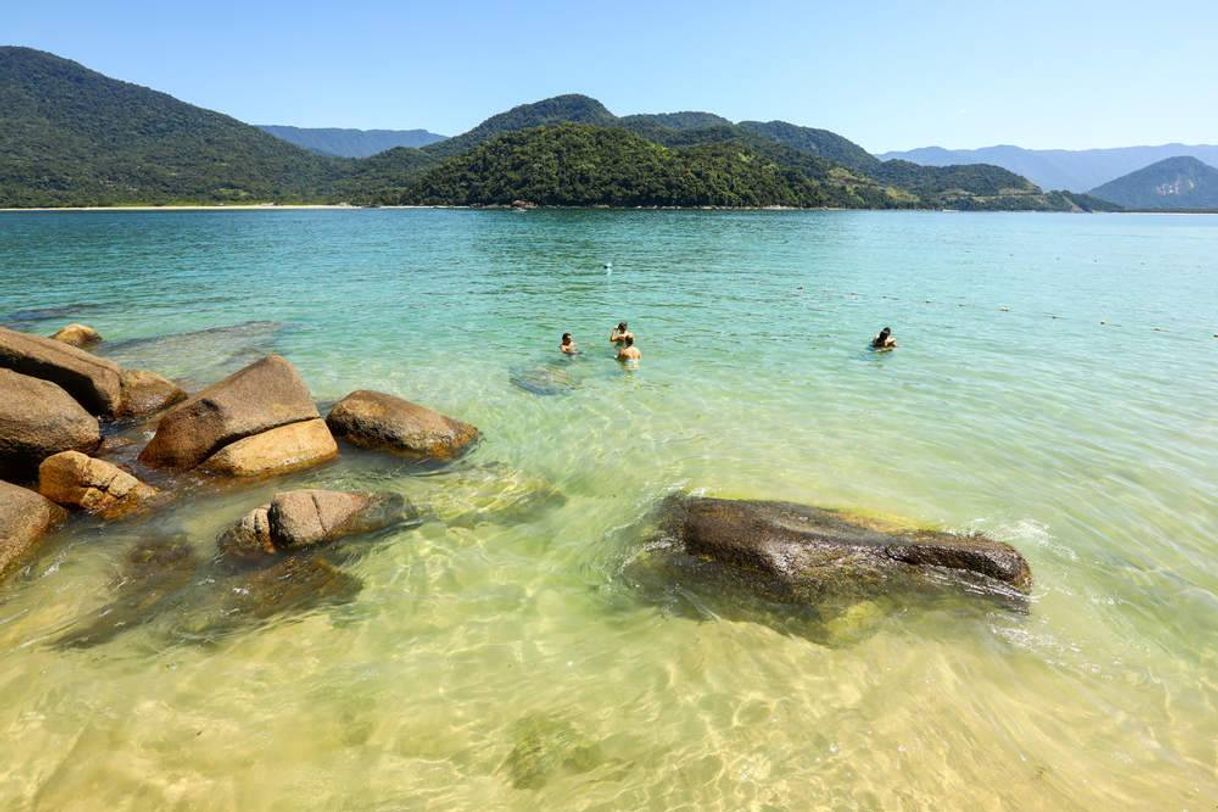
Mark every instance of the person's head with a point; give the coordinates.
(566, 339)
(887, 331)
(629, 341)
(621, 326)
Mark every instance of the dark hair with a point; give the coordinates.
(887, 331)
(629, 341)
(566, 337)
(621, 325)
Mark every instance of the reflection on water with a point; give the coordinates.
(504, 653)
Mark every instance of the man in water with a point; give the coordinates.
(884, 340)
(620, 333)
(567, 347)
(628, 352)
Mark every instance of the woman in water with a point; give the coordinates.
(884, 340)
(567, 347)
(619, 334)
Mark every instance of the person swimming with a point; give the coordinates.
(883, 340)
(567, 347)
(628, 351)
(620, 333)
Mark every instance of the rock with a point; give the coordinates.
(796, 553)
(543, 380)
(298, 519)
(262, 396)
(294, 583)
(25, 518)
(146, 393)
(152, 581)
(293, 447)
(38, 419)
(77, 335)
(76, 480)
(383, 422)
(202, 355)
(546, 746)
(94, 382)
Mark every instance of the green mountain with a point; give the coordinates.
(71, 136)
(1182, 182)
(344, 143)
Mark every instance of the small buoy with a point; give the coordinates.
(1103, 322)
(1005, 309)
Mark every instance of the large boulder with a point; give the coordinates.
(146, 393)
(38, 419)
(386, 423)
(94, 382)
(295, 520)
(264, 395)
(25, 517)
(795, 553)
(293, 447)
(75, 480)
(77, 335)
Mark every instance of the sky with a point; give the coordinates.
(888, 75)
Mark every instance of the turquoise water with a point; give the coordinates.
(1054, 387)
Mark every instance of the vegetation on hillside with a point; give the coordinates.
(1182, 182)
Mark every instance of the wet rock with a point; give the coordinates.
(76, 480)
(386, 423)
(77, 335)
(306, 518)
(146, 393)
(25, 518)
(38, 419)
(795, 553)
(154, 577)
(94, 382)
(545, 746)
(292, 584)
(262, 396)
(293, 447)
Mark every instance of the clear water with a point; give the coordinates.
(1054, 387)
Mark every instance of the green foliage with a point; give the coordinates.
(70, 136)
(571, 108)
(821, 143)
(1182, 183)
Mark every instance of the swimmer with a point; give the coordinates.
(620, 333)
(884, 340)
(567, 347)
(629, 352)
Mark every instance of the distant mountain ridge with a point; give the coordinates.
(70, 136)
(1182, 182)
(1075, 170)
(349, 143)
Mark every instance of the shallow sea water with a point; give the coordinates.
(1054, 387)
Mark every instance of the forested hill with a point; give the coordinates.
(1182, 183)
(72, 137)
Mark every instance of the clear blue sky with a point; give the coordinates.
(889, 75)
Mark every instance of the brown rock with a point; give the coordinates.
(387, 423)
(145, 393)
(305, 518)
(293, 447)
(93, 381)
(38, 419)
(25, 517)
(77, 335)
(262, 396)
(76, 480)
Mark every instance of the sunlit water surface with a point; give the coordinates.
(1054, 387)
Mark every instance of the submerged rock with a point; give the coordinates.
(25, 518)
(38, 419)
(94, 382)
(545, 746)
(800, 552)
(77, 335)
(543, 380)
(262, 396)
(202, 355)
(76, 480)
(294, 520)
(146, 393)
(153, 580)
(387, 423)
(293, 447)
